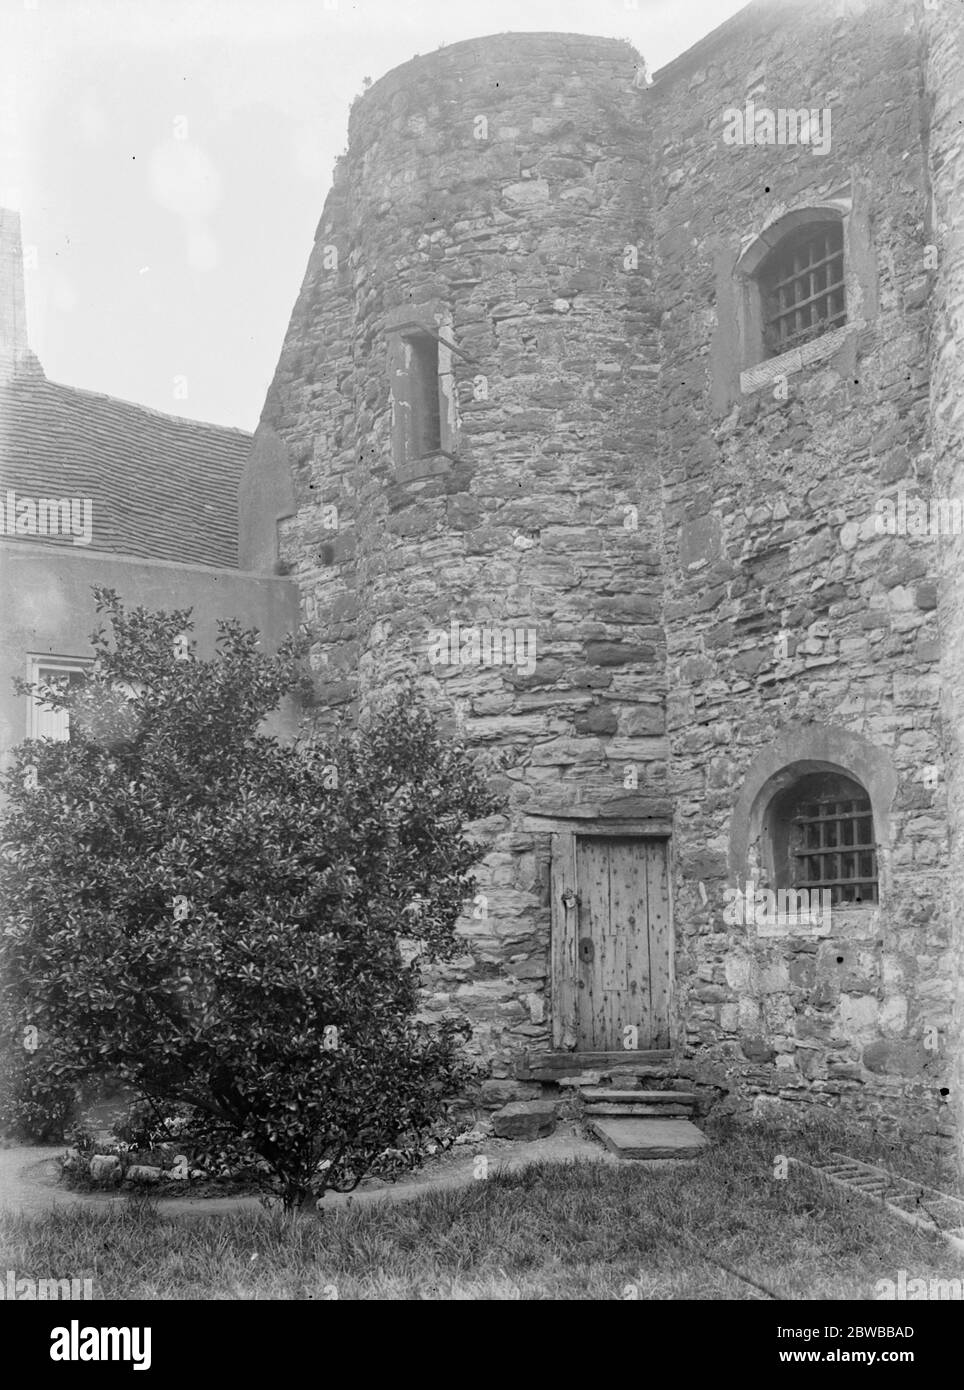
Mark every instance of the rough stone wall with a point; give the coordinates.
(942, 33)
(497, 192)
(613, 486)
(796, 632)
(310, 412)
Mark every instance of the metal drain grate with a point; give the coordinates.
(911, 1201)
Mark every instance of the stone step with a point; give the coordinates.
(611, 1100)
(642, 1112)
(636, 1096)
(645, 1138)
(551, 1066)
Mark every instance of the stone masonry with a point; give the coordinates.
(688, 535)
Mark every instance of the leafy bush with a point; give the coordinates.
(216, 918)
(35, 1107)
(144, 1128)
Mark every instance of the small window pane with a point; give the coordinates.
(44, 721)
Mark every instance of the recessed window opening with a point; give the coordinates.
(823, 838)
(421, 364)
(802, 287)
(834, 848)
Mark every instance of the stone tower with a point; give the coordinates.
(528, 437)
(465, 408)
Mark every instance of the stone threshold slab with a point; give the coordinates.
(647, 1138)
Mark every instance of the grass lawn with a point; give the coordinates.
(584, 1230)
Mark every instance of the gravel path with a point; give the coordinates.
(29, 1177)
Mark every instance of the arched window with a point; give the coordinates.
(821, 836)
(805, 285)
(801, 284)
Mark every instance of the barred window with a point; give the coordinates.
(832, 842)
(802, 286)
(822, 837)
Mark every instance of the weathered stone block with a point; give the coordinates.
(894, 1058)
(601, 719)
(504, 1091)
(105, 1169)
(535, 1119)
(619, 653)
(143, 1173)
(527, 193)
(757, 1050)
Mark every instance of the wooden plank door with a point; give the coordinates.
(622, 943)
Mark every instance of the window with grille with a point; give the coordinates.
(802, 286)
(821, 835)
(832, 846)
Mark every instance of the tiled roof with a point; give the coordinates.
(161, 487)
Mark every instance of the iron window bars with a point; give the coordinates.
(803, 287)
(834, 847)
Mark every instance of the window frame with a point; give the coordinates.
(802, 854)
(423, 428)
(404, 331)
(59, 665)
(778, 286)
(781, 829)
(741, 366)
(782, 763)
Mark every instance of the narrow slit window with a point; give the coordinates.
(425, 419)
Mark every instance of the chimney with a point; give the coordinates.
(15, 355)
